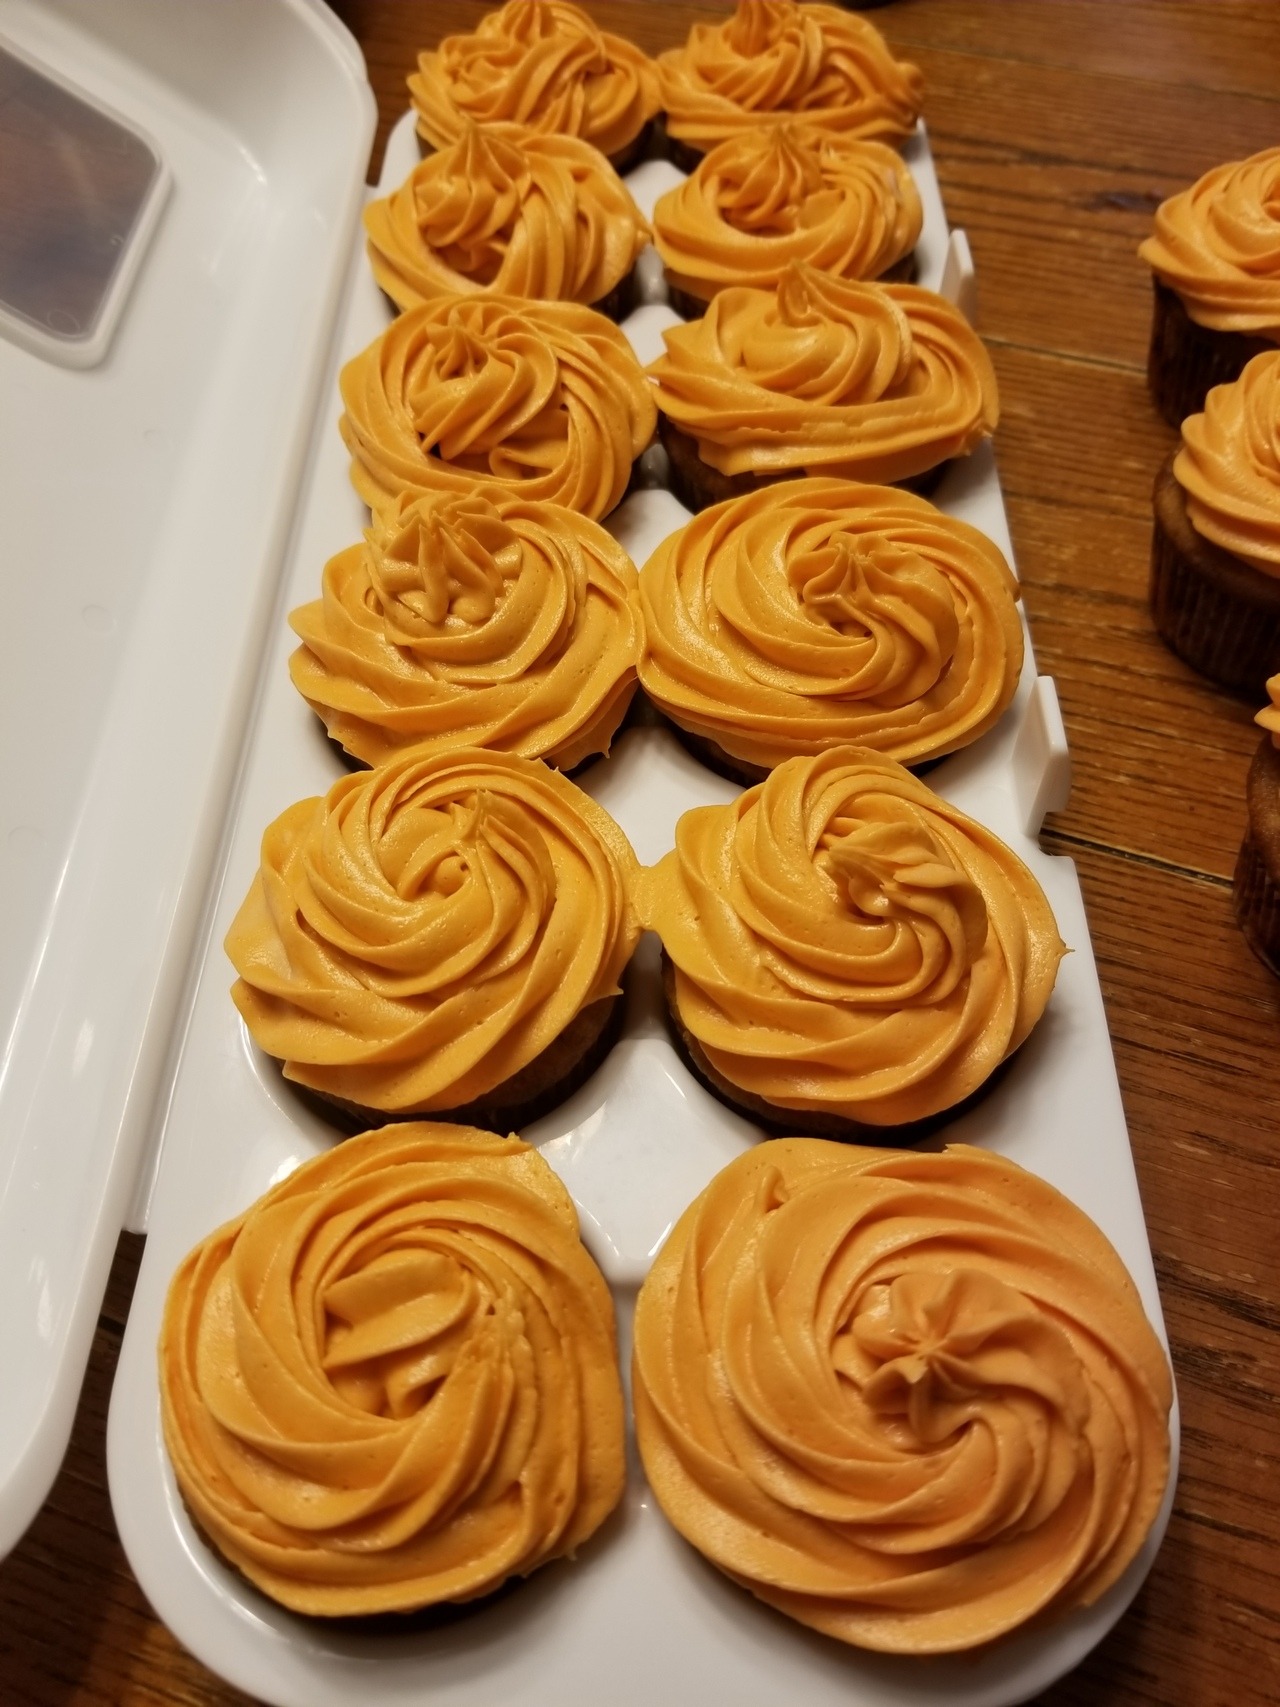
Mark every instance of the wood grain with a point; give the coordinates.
(1056, 125)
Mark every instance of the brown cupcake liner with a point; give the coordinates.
(780, 1122)
(664, 146)
(711, 754)
(551, 1078)
(1255, 887)
(1186, 360)
(1219, 614)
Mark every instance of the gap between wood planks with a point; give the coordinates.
(1153, 862)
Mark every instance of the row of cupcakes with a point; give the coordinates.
(393, 1383)
(1214, 372)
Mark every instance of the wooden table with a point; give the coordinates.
(1057, 127)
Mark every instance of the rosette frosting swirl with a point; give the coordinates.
(424, 931)
(774, 59)
(393, 1381)
(844, 941)
(819, 612)
(788, 193)
(1218, 245)
(544, 399)
(872, 382)
(543, 63)
(1229, 465)
(509, 210)
(910, 1400)
(473, 622)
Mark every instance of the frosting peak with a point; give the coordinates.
(817, 612)
(875, 382)
(543, 399)
(911, 1400)
(846, 942)
(544, 63)
(415, 938)
(393, 1381)
(507, 210)
(772, 59)
(468, 620)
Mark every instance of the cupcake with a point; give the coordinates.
(511, 211)
(1256, 886)
(869, 382)
(443, 935)
(1215, 257)
(542, 63)
(820, 613)
(912, 1401)
(773, 60)
(537, 400)
(473, 621)
(393, 1382)
(1215, 554)
(847, 955)
(766, 198)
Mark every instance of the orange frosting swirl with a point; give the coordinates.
(427, 928)
(543, 63)
(1229, 465)
(911, 1400)
(788, 193)
(819, 612)
(872, 382)
(845, 941)
(1269, 717)
(542, 399)
(471, 622)
(393, 1381)
(773, 59)
(1218, 245)
(507, 210)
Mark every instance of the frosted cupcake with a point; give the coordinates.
(912, 1401)
(817, 613)
(469, 621)
(439, 936)
(392, 1383)
(846, 954)
(773, 60)
(785, 193)
(543, 401)
(1215, 554)
(511, 211)
(1215, 257)
(880, 383)
(546, 64)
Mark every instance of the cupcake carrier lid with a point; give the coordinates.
(202, 489)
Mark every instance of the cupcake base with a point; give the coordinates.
(1256, 885)
(1218, 613)
(711, 754)
(781, 1122)
(1186, 360)
(667, 147)
(697, 485)
(563, 1067)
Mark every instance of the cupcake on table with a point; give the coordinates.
(1215, 257)
(1215, 556)
(1256, 885)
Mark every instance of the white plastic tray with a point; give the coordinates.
(638, 1618)
(145, 506)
